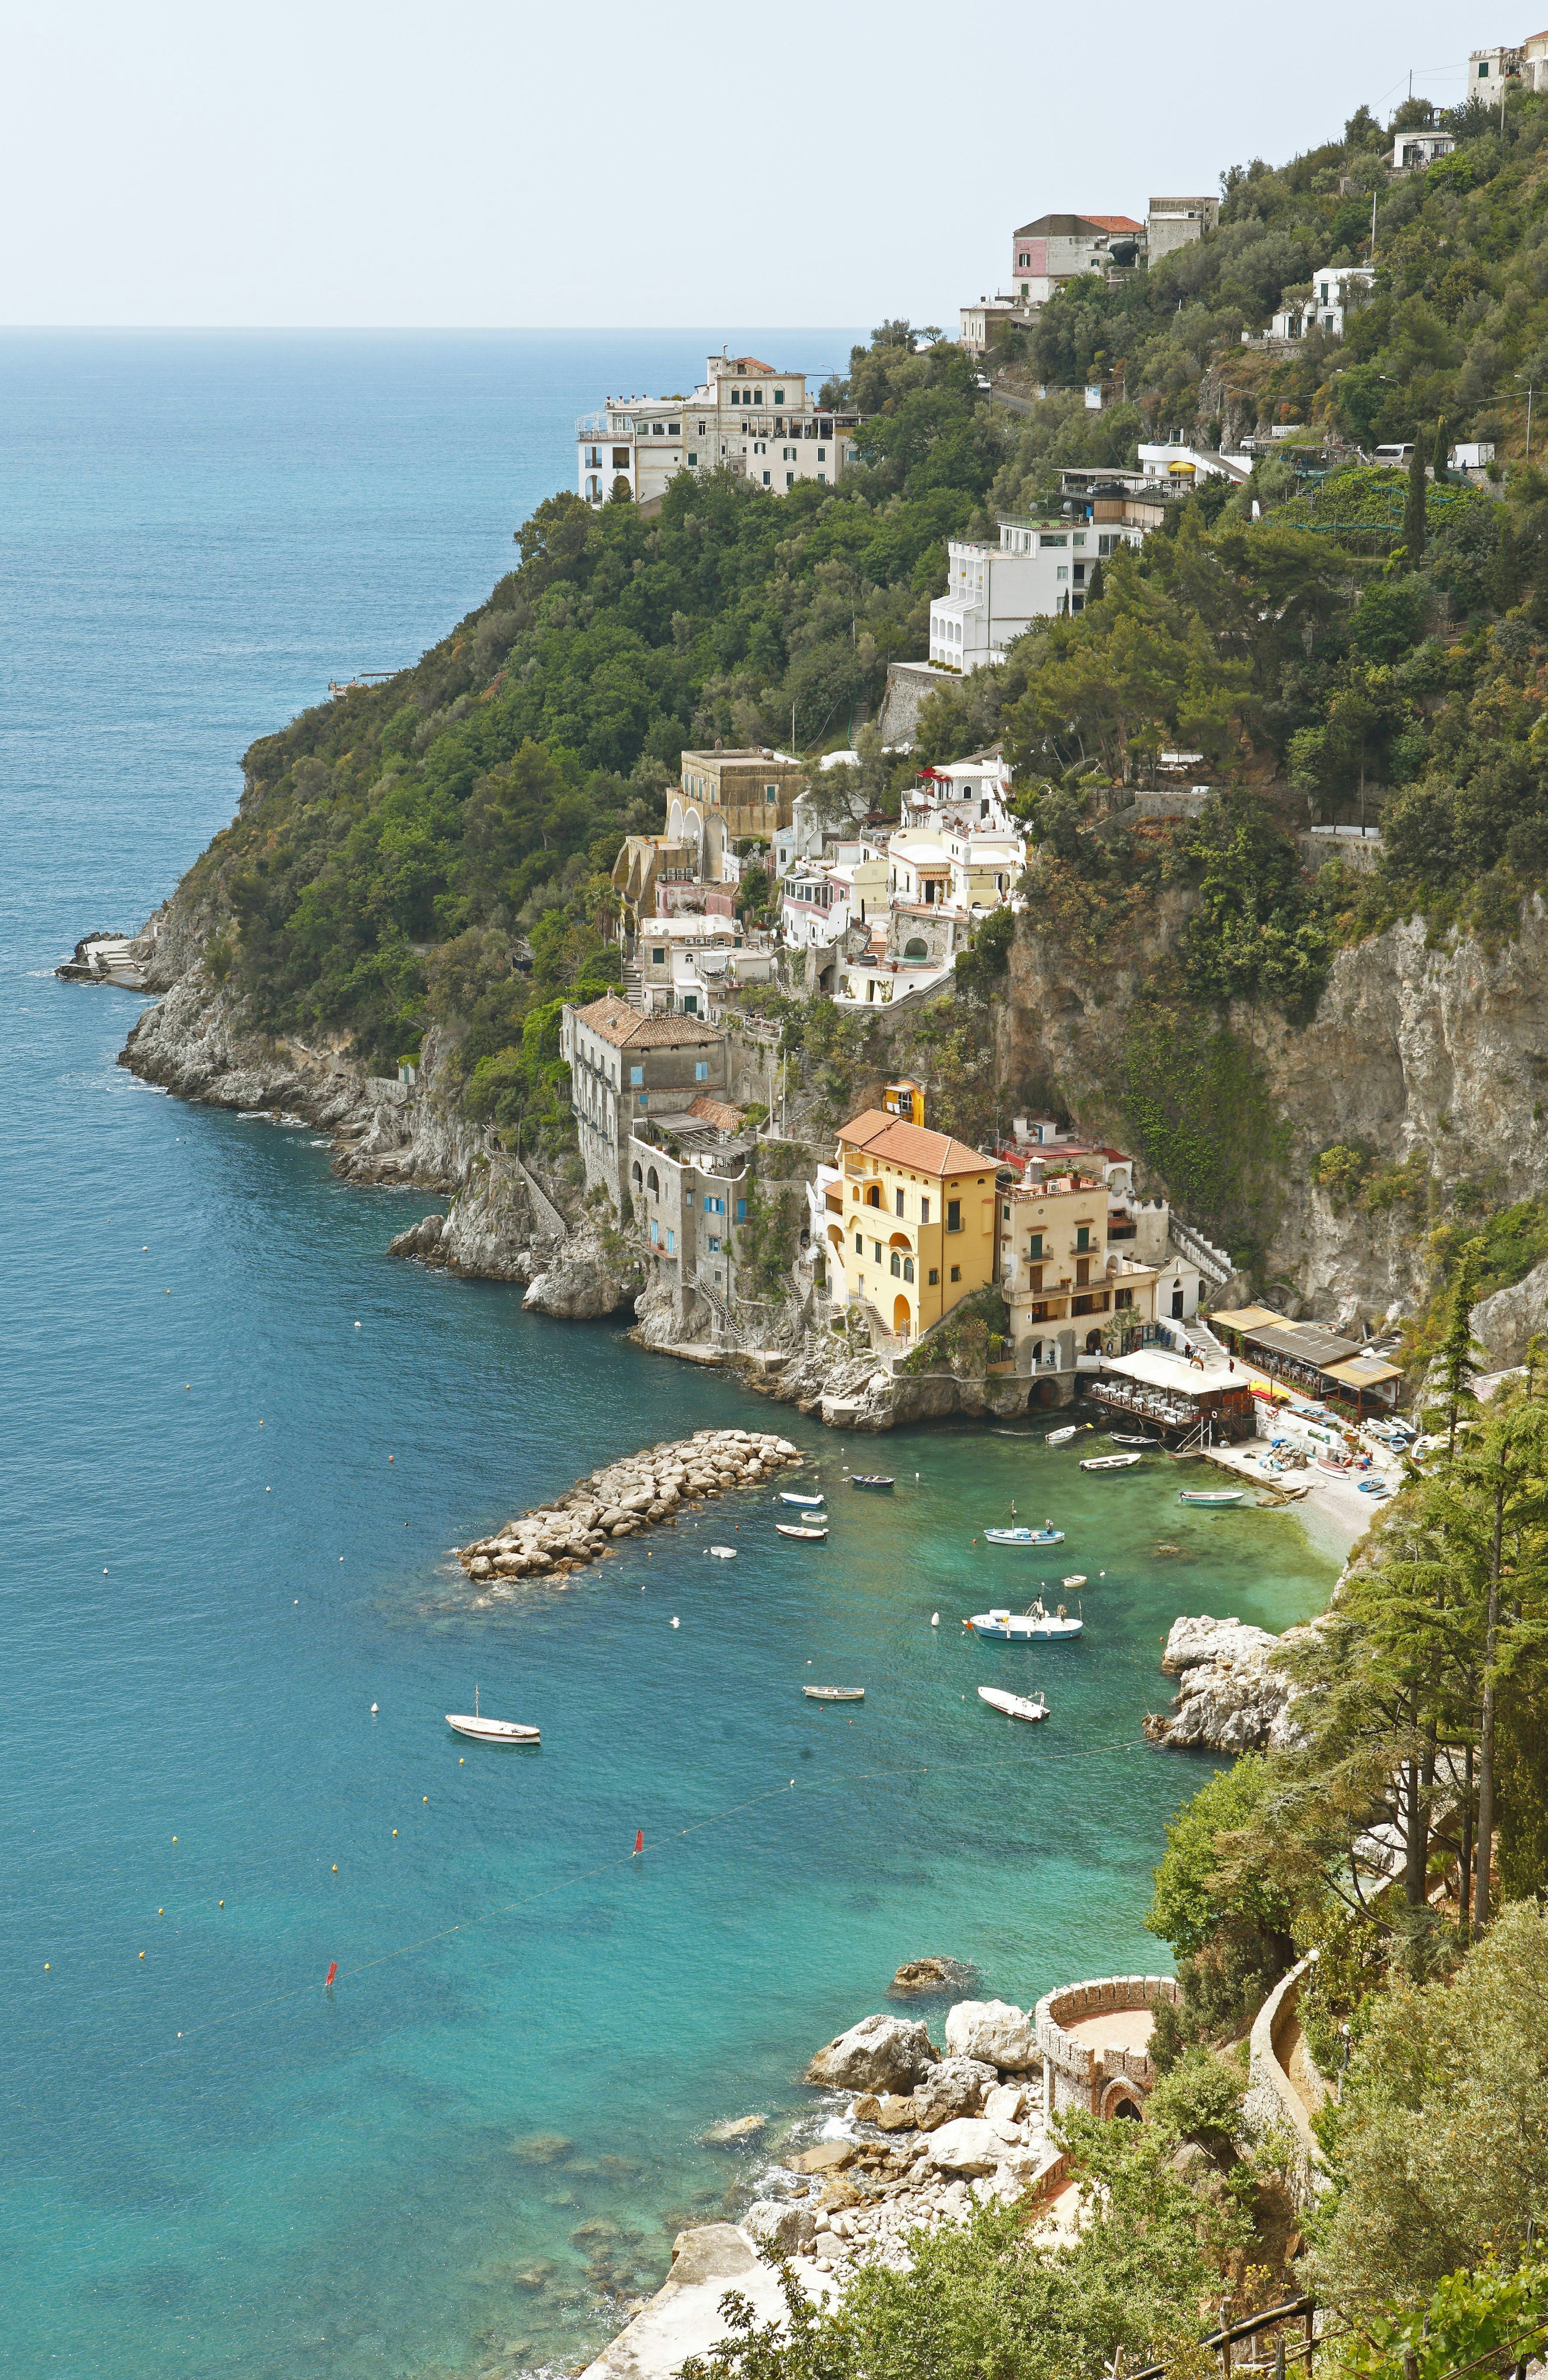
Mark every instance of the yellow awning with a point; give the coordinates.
(1247, 1317)
(1361, 1373)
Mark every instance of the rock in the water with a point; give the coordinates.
(1229, 1699)
(735, 2129)
(822, 2157)
(577, 1289)
(969, 2145)
(932, 1975)
(956, 2087)
(994, 2030)
(880, 2053)
(779, 2223)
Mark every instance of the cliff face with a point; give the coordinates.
(1438, 1056)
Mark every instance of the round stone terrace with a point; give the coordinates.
(1094, 2038)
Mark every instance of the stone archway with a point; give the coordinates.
(901, 1318)
(1093, 1342)
(1120, 2098)
(1046, 1393)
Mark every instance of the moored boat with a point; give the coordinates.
(1127, 1437)
(721, 1553)
(1107, 1462)
(870, 1479)
(1030, 1706)
(1034, 1626)
(834, 1694)
(812, 1503)
(1212, 1497)
(799, 1529)
(1076, 1578)
(1023, 1537)
(479, 1730)
(1063, 1437)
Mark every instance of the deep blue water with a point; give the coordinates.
(237, 1442)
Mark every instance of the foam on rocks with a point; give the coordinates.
(552, 1541)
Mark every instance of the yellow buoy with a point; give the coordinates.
(222, 1904)
(427, 1797)
(45, 1966)
(142, 1954)
(336, 1864)
(394, 1830)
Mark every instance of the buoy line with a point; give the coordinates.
(626, 1860)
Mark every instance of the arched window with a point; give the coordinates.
(897, 1266)
(636, 1177)
(916, 947)
(650, 1182)
(873, 1196)
(908, 1268)
(1093, 1342)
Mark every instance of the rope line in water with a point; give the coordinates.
(616, 1860)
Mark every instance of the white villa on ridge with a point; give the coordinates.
(746, 418)
(1039, 569)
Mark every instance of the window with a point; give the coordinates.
(651, 1183)
(741, 1210)
(1005, 1213)
(1083, 1237)
(701, 1070)
(898, 1197)
(822, 454)
(778, 396)
(771, 793)
(822, 475)
(859, 1245)
(897, 1266)
(908, 1268)
(636, 1076)
(714, 1246)
(1483, 71)
(765, 480)
(1063, 570)
(756, 395)
(790, 478)
(693, 462)
(657, 958)
(1053, 541)
(956, 1272)
(714, 1206)
(657, 429)
(953, 1217)
(934, 1277)
(671, 1244)
(1122, 1297)
(877, 1245)
(654, 1233)
(1034, 1244)
(736, 396)
(1078, 539)
(872, 1193)
(674, 428)
(923, 1211)
(621, 458)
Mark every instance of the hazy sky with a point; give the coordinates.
(337, 162)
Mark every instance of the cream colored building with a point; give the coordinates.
(747, 418)
(1069, 1293)
(730, 796)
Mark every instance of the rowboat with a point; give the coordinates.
(834, 1694)
(870, 1479)
(721, 1553)
(1076, 1578)
(788, 1496)
(1036, 1625)
(1330, 1462)
(1023, 1537)
(1107, 1462)
(1125, 1438)
(1211, 1496)
(1013, 1706)
(798, 1529)
(488, 1730)
(1063, 1437)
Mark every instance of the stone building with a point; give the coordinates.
(625, 1067)
(1095, 2041)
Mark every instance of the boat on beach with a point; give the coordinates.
(1023, 1537)
(1030, 1706)
(1036, 1625)
(1211, 1497)
(811, 1503)
(1107, 1462)
(488, 1730)
(834, 1694)
(799, 1529)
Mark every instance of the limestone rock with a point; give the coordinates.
(956, 2087)
(880, 2053)
(1230, 1698)
(1006, 2105)
(1504, 1323)
(932, 1975)
(1206, 1639)
(968, 2146)
(735, 2129)
(822, 2157)
(778, 2223)
(994, 2030)
(580, 1285)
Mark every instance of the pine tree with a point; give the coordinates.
(1443, 447)
(1460, 1351)
(1095, 586)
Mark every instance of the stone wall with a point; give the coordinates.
(1273, 2104)
(1081, 2074)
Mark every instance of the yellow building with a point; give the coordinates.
(918, 1215)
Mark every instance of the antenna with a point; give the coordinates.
(1372, 226)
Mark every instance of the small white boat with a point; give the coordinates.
(1212, 1496)
(812, 1503)
(834, 1694)
(1125, 1438)
(1107, 1462)
(488, 1730)
(1025, 1627)
(1063, 1437)
(798, 1529)
(1076, 1578)
(1023, 1537)
(721, 1553)
(870, 1479)
(1014, 1706)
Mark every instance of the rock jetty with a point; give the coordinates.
(554, 1540)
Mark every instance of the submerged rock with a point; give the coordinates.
(932, 1975)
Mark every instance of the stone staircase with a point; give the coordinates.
(633, 984)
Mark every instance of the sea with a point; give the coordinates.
(238, 1441)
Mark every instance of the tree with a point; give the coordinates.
(1192, 1895)
(1414, 507)
(1459, 1349)
(1474, 2322)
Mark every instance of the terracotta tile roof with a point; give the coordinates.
(1116, 223)
(626, 1028)
(910, 1145)
(716, 1112)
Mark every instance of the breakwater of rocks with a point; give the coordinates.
(619, 1501)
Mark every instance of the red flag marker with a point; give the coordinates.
(639, 1840)
(328, 1983)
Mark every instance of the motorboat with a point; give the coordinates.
(722, 1553)
(1023, 1537)
(1014, 1706)
(834, 1694)
(1107, 1462)
(798, 1529)
(871, 1479)
(1033, 1626)
(488, 1730)
(1063, 1437)
(1211, 1497)
(810, 1503)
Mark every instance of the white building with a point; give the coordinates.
(1189, 464)
(1336, 290)
(1412, 151)
(943, 867)
(1175, 223)
(1055, 249)
(1523, 65)
(971, 793)
(746, 418)
(1039, 569)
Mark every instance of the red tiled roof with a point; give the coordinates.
(626, 1028)
(1116, 223)
(911, 1146)
(715, 1111)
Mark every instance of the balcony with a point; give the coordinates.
(1096, 1302)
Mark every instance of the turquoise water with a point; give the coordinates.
(469, 2155)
